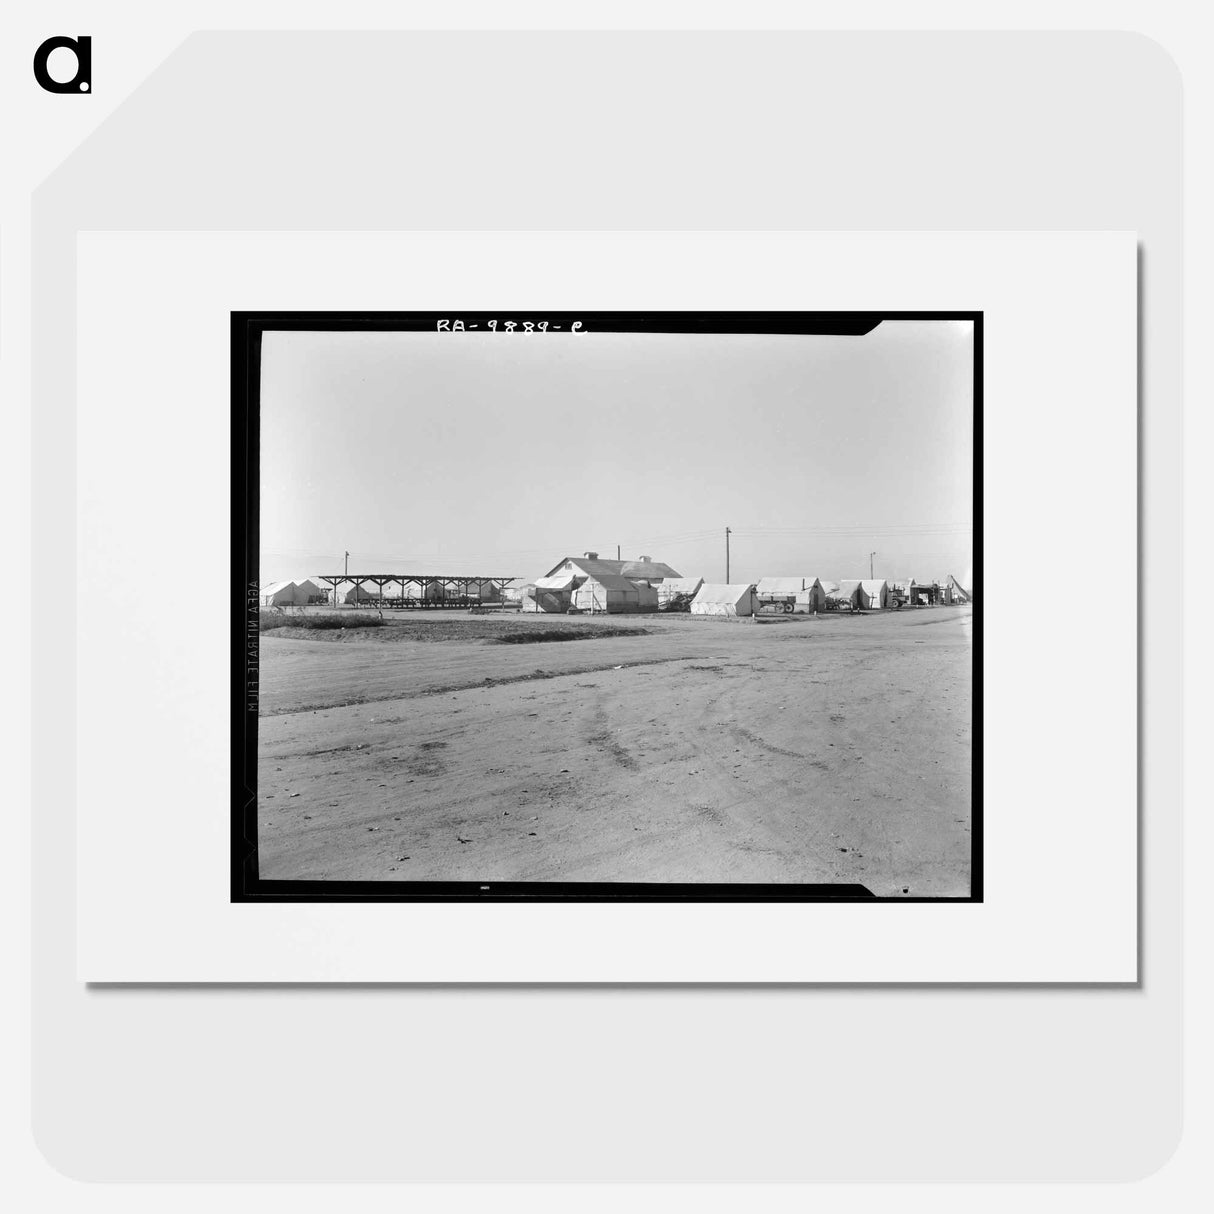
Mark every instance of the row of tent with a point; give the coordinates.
(614, 594)
(799, 595)
(299, 593)
(304, 592)
(595, 585)
(864, 594)
(810, 594)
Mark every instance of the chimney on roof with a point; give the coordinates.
(645, 558)
(592, 556)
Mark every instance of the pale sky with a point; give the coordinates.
(499, 454)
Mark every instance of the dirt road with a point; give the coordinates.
(799, 750)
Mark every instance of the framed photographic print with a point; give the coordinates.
(686, 620)
(499, 639)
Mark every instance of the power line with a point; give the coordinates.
(850, 531)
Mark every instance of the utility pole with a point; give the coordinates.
(727, 556)
(870, 566)
(347, 566)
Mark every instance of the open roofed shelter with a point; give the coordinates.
(461, 590)
(397, 590)
(924, 592)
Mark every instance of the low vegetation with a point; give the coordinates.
(535, 636)
(284, 619)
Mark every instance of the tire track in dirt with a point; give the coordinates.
(427, 759)
(785, 832)
(600, 736)
(801, 799)
(468, 685)
(748, 735)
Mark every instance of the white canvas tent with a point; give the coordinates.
(556, 582)
(719, 599)
(281, 594)
(291, 593)
(361, 594)
(553, 593)
(613, 594)
(780, 585)
(538, 598)
(874, 594)
(806, 592)
(313, 592)
(960, 594)
(672, 587)
(848, 591)
(815, 595)
(485, 592)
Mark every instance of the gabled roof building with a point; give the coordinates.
(590, 564)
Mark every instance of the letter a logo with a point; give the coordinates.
(82, 81)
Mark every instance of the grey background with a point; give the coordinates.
(680, 131)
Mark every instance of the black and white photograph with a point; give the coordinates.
(607, 605)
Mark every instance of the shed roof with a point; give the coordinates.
(631, 569)
(646, 570)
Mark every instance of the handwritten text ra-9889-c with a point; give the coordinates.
(508, 326)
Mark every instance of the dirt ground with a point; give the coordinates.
(799, 749)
